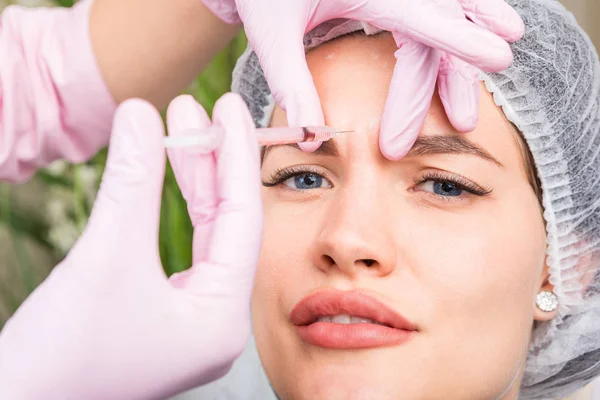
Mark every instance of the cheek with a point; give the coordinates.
(488, 262)
(481, 282)
(284, 243)
(283, 255)
(282, 278)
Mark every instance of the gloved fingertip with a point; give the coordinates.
(463, 116)
(499, 58)
(397, 135)
(231, 108)
(510, 27)
(515, 30)
(459, 90)
(309, 147)
(185, 113)
(233, 102)
(465, 123)
(137, 133)
(231, 112)
(496, 16)
(303, 108)
(395, 147)
(185, 116)
(132, 181)
(289, 78)
(179, 279)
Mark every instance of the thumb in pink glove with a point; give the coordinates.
(107, 323)
(430, 29)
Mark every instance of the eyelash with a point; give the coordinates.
(283, 174)
(460, 182)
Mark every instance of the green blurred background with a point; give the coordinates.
(40, 220)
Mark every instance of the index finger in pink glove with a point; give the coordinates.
(196, 173)
(231, 211)
(283, 61)
(458, 88)
(409, 97)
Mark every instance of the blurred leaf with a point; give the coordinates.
(58, 180)
(175, 228)
(65, 3)
(5, 202)
(21, 224)
(15, 225)
(99, 161)
(79, 201)
(9, 300)
(19, 221)
(26, 268)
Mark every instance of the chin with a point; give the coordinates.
(339, 380)
(324, 391)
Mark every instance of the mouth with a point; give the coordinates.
(349, 320)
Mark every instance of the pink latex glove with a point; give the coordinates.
(426, 31)
(107, 324)
(53, 101)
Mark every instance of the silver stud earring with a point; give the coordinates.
(546, 301)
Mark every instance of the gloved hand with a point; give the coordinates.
(107, 324)
(53, 101)
(426, 31)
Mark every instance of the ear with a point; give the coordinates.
(544, 285)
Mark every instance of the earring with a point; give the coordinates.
(546, 301)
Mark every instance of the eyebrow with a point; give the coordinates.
(449, 144)
(328, 148)
(424, 145)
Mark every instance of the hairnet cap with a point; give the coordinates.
(551, 93)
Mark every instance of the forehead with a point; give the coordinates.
(352, 75)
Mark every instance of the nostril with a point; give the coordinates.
(368, 262)
(328, 260)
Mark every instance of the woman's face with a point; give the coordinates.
(451, 237)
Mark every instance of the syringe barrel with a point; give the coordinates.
(204, 140)
(281, 135)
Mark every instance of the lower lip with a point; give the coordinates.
(352, 336)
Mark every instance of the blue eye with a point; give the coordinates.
(305, 181)
(298, 178)
(448, 186)
(444, 188)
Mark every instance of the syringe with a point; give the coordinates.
(210, 138)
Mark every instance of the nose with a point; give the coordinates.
(356, 238)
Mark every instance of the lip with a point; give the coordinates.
(395, 331)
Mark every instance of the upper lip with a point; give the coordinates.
(334, 302)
